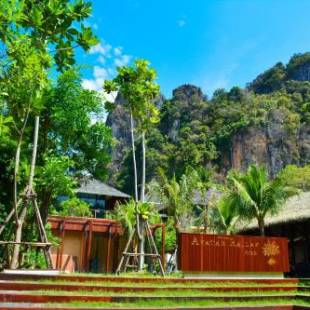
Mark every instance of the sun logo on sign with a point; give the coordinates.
(271, 249)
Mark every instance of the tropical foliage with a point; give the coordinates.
(223, 216)
(75, 207)
(135, 84)
(252, 196)
(197, 131)
(127, 213)
(38, 38)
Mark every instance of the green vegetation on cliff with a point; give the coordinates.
(266, 123)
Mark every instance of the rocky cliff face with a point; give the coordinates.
(301, 73)
(275, 145)
(188, 119)
(119, 122)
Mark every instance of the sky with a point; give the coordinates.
(209, 43)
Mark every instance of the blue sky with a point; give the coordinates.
(210, 43)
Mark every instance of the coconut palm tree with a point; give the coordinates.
(253, 195)
(176, 196)
(223, 217)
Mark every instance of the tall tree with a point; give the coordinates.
(33, 34)
(71, 142)
(254, 196)
(136, 84)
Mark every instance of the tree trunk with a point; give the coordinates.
(142, 193)
(141, 244)
(46, 199)
(138, 222)
(21, 220)
(18, 238)
(134, 156)
(34, 151)
(17, 163)
(142, 198)
(261, 225)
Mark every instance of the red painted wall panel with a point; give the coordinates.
(203, 252)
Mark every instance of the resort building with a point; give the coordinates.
(292, 222)
(89, 244)
(85, 244)
(100, 196)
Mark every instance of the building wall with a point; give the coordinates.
(71, 259)
(75, 255)
(298, 234)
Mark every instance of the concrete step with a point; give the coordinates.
(93, 278)
(17, 286)
(25, 306)
(29, 297)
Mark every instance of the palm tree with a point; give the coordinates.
(176, 196)
(223, 217)
(253, 195)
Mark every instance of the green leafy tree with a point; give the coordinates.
(75, 207)
(295, 177)
(269, 81)
(53, 180)
(126, 213)
(29, 30)
(136, 84)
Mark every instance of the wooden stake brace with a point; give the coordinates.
(155, 256)
(26, 198)
(30, 196)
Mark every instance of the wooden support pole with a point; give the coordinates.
(9, 216)
(82, 252)
(109, 249)
(163, 245)
(89, 245)
(118, 270)
(58, 254)
(62, 236)
(34, 150)
(155, 249)
(35, 244)
(43, 236)
(115, 252)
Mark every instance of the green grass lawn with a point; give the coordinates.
(165, 293)
(190, 284)
(165, 304)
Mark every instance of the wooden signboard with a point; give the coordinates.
(221, 253)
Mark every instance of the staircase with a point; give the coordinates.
(115, 292)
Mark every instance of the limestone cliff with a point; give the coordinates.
(221, 131)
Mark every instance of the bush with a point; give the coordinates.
(75, 207)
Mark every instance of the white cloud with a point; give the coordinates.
(118, 51)
(181, 23)
(100, 48)
(110, 57)
(110, 97)
(101, 59)
(100, 72)
(91, 84)
(123, 60)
